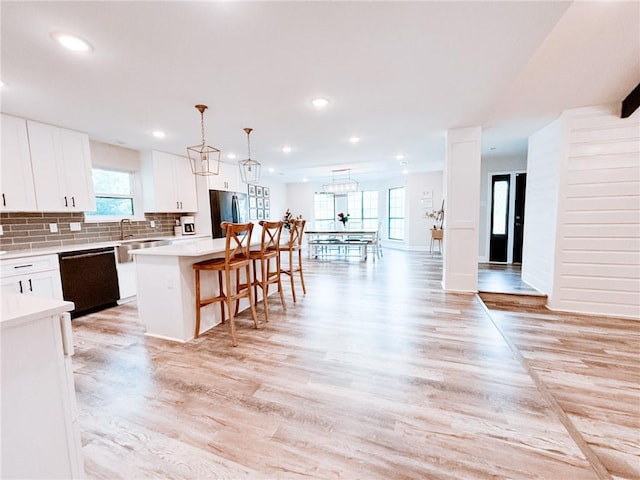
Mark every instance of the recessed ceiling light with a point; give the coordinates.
(158, 134)
(1, 84)
(405, 171)
(271, 170)
(231, 156)
(304, 179)
(399, 157)
(71, 42)
(320, 102)
(286, 149)
(354, 140)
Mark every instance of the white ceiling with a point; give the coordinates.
(398, 74)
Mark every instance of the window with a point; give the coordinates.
(396, 213)
(362, 208)
(324, 210)
(113, 193)
(500, 207)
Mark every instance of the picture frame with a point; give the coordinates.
(259, 191)
(267, 204)
(260, 202)
(252, 202)
(265, 192)
(260, 214)
(252, 190)
(253, 214)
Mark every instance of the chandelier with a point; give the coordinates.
(205, 159)
(249, 169)
(341, 184)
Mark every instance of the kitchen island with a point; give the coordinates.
(166, 288)
(40, 435)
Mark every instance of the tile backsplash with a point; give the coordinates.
(24, 231)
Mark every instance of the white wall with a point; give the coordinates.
(538, 250)
(582, 217)
(489, 167)
(598, 240)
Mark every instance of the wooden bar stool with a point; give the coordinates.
(270, 240)
(236, 258)
(294, 245)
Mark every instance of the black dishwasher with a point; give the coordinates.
(89, 279)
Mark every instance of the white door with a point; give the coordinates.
(76, 163)
(16, 174)
(46, 154)
(185, 185)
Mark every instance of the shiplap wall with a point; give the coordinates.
(541, 205)
(598, 245)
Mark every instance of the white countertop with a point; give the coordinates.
(17, 308)
(195, 248)
(87, 246)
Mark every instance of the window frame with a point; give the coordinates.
(392, 220)
(134, 196)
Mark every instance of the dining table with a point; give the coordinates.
(321, 242)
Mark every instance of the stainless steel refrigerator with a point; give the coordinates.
(227, 207)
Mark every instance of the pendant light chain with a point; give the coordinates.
(202, 125)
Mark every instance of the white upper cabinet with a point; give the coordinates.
(169, 185)
(61, 161)
(228, 178)
(16, 175)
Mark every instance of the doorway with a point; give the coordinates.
(499, 240)
(507, 217)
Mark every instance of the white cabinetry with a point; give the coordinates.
(61, 162)
(39, 423)
(16, 174)
(228, 178)
(38, 275)
(126, 280)
(169, 185)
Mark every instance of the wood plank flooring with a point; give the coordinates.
(375, 374)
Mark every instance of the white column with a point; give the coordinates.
(462, 212)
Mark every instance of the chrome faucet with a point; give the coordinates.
(122, 222)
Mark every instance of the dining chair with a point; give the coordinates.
(269, 242)
(236, 258)
(293, 245)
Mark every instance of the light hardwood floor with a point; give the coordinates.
(375, 374)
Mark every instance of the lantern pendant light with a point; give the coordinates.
(249, 169)
(204, 159)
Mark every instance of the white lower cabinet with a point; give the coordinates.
(39, 421)
(38, 275)
(126, 280)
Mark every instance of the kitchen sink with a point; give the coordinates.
(122, 250)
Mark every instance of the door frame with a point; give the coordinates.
(511, 217)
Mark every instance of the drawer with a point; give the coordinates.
(28, 265)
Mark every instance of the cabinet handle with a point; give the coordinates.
(73, 201)
(30, 286)
(178, 205)
(23, 266)
(20, 283)
(66, 203)
(4, 201)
